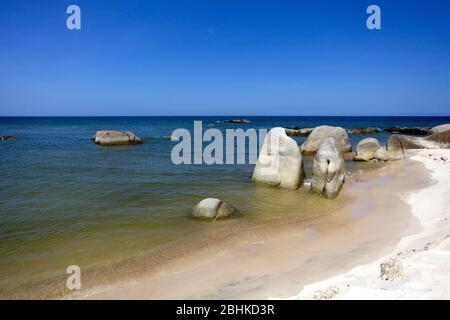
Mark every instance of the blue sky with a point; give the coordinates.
(224, 58)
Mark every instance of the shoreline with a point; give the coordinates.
(417, 268)
(280, 261)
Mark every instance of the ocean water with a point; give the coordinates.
(65, 200)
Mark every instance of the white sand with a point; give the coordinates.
(419, 267)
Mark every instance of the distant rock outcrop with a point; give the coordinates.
(213, 208)
(280, 161)
(237, 121)
(321, 133)
(115, 138)
(6, 138)
(298, 132)
(328, 169)
(364, 130)
(416, 131)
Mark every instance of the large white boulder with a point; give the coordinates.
(367, 148)
(319, 134)
(213, 208)
(280, 161)
(441, 128)
(328, 169)
(115, 138)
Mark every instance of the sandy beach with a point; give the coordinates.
(395, 214)
(418, 266)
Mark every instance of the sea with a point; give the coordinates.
(66, 201)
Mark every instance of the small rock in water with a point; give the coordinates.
(443, 158)
(115, 138)
(213, 208)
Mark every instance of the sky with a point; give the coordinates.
(210, 57)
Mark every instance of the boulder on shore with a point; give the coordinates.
(400, 143)
(213, 208)
(364, 130)
(439, 129)
(367, 148)
(237, 121)
(280, 161)
(6, 138)
(415, 131)
(441, 138)
(115, 138)
(321, 133)
(383, 155)
(328, 169)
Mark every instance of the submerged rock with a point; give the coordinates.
(328, 169)
(237, 121)
(213, 208)
(415, 131)
(280, 161)
(321, 133)
(364, 130)
(115, 138)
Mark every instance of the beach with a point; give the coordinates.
(123, 213)
(398, 211)
(418, 266)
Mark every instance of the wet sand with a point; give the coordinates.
(369, 220)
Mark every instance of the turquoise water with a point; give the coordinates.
(65, 200)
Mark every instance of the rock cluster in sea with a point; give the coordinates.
(280, 162)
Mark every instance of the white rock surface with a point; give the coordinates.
(115, 138)
(441, 128)
(280, 161)
(319, 134)
(212, 208)
(367, 148)
(328, 169)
